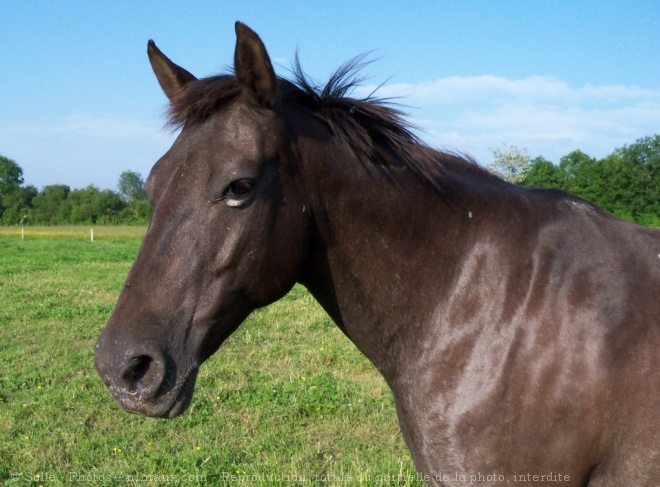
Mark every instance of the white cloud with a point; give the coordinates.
(545, 115)
(486, 89)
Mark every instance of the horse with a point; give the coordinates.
(518, 329)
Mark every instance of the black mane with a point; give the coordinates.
(375, 129)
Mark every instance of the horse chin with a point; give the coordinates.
(184, 398)
(167, 406)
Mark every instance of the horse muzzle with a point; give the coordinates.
(145, 380)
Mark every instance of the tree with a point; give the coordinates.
(131, 189)
(626, 183)
(51, 205)
(510, 163)
(11, 176)
(92, 205)
(542, 173)
(18, 206)
(582, 176)
(131, 186)
(634, 178)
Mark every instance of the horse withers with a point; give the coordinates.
(518, 329)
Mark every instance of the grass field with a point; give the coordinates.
(287, 400)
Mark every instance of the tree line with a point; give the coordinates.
(58, 204)
(625, 183)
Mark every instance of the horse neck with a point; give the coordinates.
(370, 266)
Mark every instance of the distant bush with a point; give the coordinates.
(58, 204)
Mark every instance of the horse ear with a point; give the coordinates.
(170, 76)
(253, 68)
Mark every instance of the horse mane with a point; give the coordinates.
(373, 127)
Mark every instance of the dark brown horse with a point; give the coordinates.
(519, 330)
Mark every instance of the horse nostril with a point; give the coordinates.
(137, 369)
(143, 374)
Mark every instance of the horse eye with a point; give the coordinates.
(240, 188)
(237, 193)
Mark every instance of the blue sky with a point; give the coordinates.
(79, 103)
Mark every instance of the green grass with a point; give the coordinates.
(288, 400)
